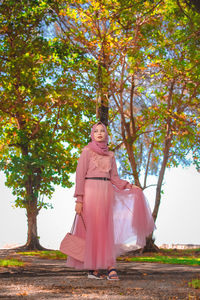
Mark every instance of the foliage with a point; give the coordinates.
(161, 98)
(145, 58)
(41, 107)
(141, 57)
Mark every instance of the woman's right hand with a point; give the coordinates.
(78, 207)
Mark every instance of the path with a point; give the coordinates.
(50, 279)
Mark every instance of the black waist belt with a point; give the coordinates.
(98, 178)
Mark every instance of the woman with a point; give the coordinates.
(114, 211)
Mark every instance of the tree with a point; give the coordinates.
(147, 53)
(159, 105)
(41, 110)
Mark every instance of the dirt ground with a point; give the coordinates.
(50, 279)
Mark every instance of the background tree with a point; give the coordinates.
(159, 104)
(145, 56)
(41, 109)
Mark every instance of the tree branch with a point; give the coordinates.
(148, 162)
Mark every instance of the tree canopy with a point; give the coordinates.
(146, 58)
(43, 112)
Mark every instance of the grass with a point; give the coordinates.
(195, 283)
(168, 256)
(183, 260)
(11, 263)
(45, 254)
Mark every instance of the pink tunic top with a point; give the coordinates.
(91, 164)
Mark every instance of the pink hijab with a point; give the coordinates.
(99, 147)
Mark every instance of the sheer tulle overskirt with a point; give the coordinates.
(116, 221)
(133, 220)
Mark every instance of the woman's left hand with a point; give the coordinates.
(135, 186)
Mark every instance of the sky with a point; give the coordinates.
(178, 219)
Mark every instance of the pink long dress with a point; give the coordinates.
(115, 218)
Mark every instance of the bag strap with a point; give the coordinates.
(83, 222)
(73, 225)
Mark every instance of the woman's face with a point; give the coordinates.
(99, 133)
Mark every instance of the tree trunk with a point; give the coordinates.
(168, 139)
(133, 163)
(32, 235)
(103, 88)
(32, 184)
(167, 145)
(103, 114)
(102, 111)
(160, 179)
(150, 245)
